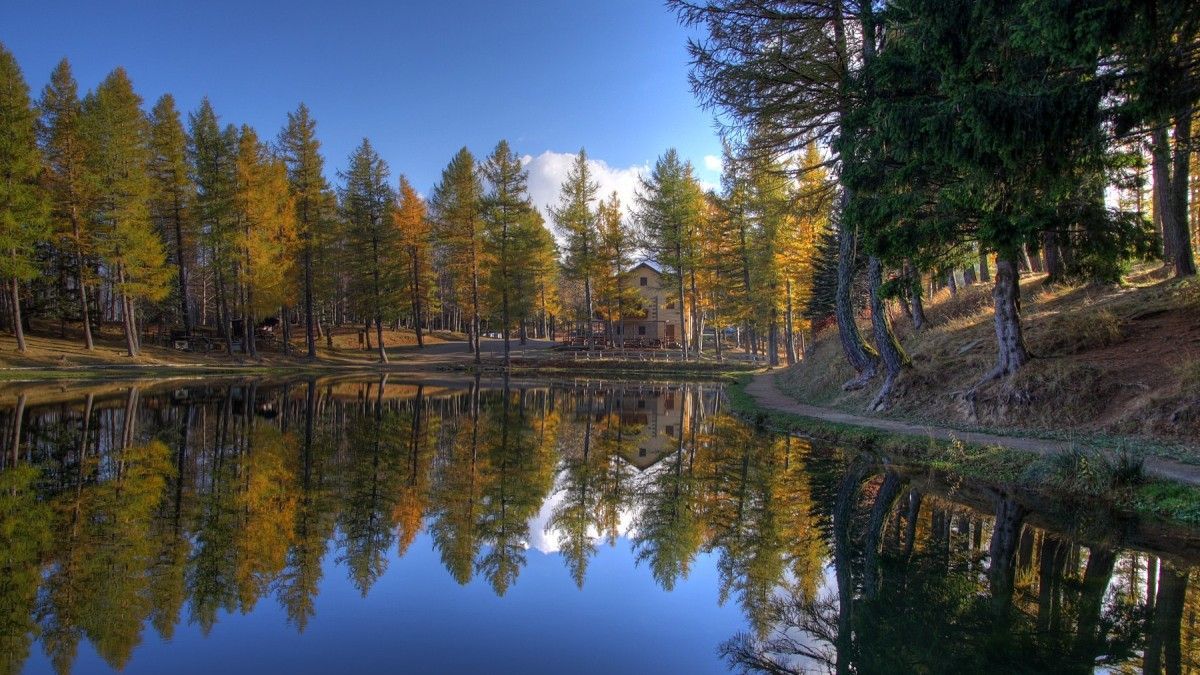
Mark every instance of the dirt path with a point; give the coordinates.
(762, 388)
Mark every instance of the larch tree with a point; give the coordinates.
(537, 268)
(64, 149)
(212, 153)
(505, 208)
(302, 152)
(457, 226)
(575, 221)
(414, 237)
(366, 204)
(173, 194)
(669, 209)
(267, 239)
(616, 248)
(23, 204)
(811, 207)
(126, 241)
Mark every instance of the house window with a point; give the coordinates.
(641, 330)
(644, 281)
(641, 452)
(670, 429)
(641, 403)
(618, 330)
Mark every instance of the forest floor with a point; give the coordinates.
(1115, 368)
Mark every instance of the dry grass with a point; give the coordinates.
(1105, 361)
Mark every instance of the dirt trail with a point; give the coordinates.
(762, 388)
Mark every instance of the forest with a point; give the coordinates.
(875, 153)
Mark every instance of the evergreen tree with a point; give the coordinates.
(212, 153)
(302, 152)
(414, 236)
(126, 241)
(458, 224)
(505, 208)
(669, 209)
(23, 203)
(576, 224)
(366, 204)
(173, 193)
(616, 247)
(64, 148)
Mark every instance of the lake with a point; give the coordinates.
(370, 523)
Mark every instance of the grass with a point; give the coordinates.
(1082, 474)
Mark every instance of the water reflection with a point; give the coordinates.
(144, 508)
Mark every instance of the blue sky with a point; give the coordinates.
(419, 79)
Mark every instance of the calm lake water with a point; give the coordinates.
(360, 524)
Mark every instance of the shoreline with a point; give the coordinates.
(1146, 485)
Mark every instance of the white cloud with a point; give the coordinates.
(548, 170)
(712, 163)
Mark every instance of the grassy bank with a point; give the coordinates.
(1080, 475)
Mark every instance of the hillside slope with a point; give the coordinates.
(1117, 366)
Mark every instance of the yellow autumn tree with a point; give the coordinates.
(810, 217)
(415, 238)
(267, 236)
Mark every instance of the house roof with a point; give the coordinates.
(651, 264)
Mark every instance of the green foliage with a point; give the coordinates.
(508, 227)
(23, 204)
(119, 161)
(366, 205)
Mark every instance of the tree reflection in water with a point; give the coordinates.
(142, 506)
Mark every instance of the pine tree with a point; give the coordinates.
(504, 207)
(23, 204)
(669, 206)
(414, 237)
(302, 152)
(576, 224)
(173, 193)
(457, 226)
(64, 148)
(366, 203)
(126, 241)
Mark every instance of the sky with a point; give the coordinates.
(420, 80)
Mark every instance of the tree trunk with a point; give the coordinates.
(1035, 260)
(773, 339)
(890, 352)
(474, 337)
(861, 356)
(788, 329)
(310, 330)
(1006, 299)
(683, 336)
(84, 312)
(985, 273)
(286, 320)
(1050, 251)
(383, 357)
(1182, 257)
(18, 328)
(417, 312)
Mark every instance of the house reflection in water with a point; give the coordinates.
(653, 419)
